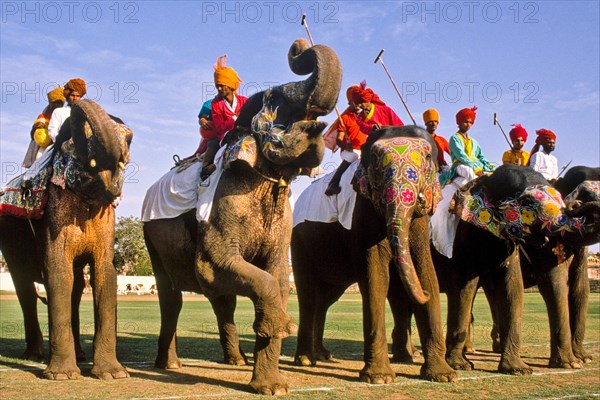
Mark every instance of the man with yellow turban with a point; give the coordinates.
(224, 110)
(40, 140)
(431, 118)
(74, 90)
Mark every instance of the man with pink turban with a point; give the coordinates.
(542, 161)
(366, 112)
(516, 155)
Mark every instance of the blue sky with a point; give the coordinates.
(150, 63)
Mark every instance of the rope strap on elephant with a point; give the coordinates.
(539, 207)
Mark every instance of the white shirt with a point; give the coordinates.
(58, 117)
(544, 163)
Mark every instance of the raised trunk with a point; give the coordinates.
(398, 227)
(107, 152)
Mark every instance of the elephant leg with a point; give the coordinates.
(553, 286)
(104, 283)
(579, 296)
(460, 301)
(401, 307)
(429, 315)
(170, 302)
(510, 306)
(27, 295)
(78, 286)
(373, 284)
(59, 286)
(224, 308)
(494, 333)
(266, 378)
(313, 301)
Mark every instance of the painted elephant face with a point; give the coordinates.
(584, 202)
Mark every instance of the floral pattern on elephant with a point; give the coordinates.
(514, 218)
(405, 162)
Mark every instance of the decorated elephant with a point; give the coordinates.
(242, 249)
(76, 227)
(514, 207)
(559, 269)
(389, 235)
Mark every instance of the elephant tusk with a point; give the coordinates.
(121, 165)
(92, 163)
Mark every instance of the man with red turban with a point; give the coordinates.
(224, 110)
(516, 155)
(366, 112)
(542, 161)
(431, 118)
(468, 160)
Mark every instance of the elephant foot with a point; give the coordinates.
(166, 362)
(459, 362)
(304, 361)
(377, 375)
(277, 326)
(583, 355)
(565, 362)
(514, 367)
(239, 360)
(109, 370)
(270, 387)
(62, 371)
(323, 354)
(33, 355)
(403, 358)
(438, 371)
(497, 347)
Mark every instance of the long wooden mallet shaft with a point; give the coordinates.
(312, 43)
(378, 58)
(496, 122)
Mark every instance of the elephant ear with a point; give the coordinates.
(472, 206)
(244, 149)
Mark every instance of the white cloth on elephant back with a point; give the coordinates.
(178, 192)
(443, 224)
(313, 205)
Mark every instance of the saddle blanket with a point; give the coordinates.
(314, 205)
(181, 190)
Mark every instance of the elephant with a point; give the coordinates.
(396, 189)
(561, 276)
(512, 208)
(76, 228)
(242, 248)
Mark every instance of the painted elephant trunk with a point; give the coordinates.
(589, 230)
(397, 231)
(320, 91)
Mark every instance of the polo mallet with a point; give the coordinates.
(496, 122)
(564, 168)
(312, 43)
(378, 58)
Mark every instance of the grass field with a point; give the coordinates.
(204, 377)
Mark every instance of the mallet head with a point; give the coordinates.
(378, 57)
(495, 119)
(303, 21)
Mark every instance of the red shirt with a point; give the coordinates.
(442, 146)
(223, 117)
(359, 127)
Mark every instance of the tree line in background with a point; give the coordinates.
(131, 256)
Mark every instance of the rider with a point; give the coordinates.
(542, 161)
(516, 155)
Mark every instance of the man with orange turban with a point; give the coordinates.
(542, 161)
(40, 140)
(224, 110)
(431, 118)
(516, 155)
(74, 90)
(366, 112)
(468, 160)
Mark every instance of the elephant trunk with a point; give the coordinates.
(108, 151)
(398, 228)
(318, 93)
(585, 217)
